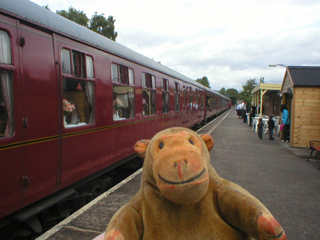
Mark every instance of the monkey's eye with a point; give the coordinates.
(191, 141)
(161, 145)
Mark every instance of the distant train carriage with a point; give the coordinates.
(72, 105)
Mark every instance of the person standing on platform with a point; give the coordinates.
(252, 113)
(260, 128)
(285, 122)
(271, 127)
(244, 111)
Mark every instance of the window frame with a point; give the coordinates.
(84, 78)
(123, 80)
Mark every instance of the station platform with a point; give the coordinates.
(279, 176)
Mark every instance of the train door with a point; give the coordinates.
(40, 113)
(11, 138)
(185, 104)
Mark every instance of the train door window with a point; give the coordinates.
(89, 67)
(6, 87)
(123, 92)
(66, 61)
(176, 97)
(148, 94)
(165, 95)
(78, 102)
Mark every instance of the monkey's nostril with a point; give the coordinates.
(175, 164)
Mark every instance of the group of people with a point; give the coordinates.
(243, 108)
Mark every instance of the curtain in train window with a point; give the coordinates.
(131, 76)
(5, 48)
(78, 102)
(89, 66)
(6, 104)
(114, 73)
(123, 102)
(65, 61)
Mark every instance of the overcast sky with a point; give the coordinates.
(229, 41)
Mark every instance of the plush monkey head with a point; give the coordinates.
(177, 162)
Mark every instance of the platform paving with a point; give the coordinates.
(277, 175)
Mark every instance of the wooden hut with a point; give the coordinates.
(301, 93)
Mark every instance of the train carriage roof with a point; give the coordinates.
(29, 11)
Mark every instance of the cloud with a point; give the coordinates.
(228, 41)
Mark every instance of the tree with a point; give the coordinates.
(204, 81)
(74, 15)
(223, 91)
(232, 94)
(103, 26)
(245, 94)
(98, 23)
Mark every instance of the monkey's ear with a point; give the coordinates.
(141, 147)
(208, 140)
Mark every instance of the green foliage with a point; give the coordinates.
(245, 94)
(103, 26)
(223, 91)
(74, 15)
(204, 81)
(232, 94)
(98, 23)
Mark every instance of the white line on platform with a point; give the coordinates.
(65, 222)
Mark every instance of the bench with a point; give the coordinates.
(314, 146)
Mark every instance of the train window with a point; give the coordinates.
(89, 66)
(176, 97)
(122, 74)
(123, 102)
(148, 94)
(5, 48)
(165, 95)
(65, 61)
(78, 102)
(6, 103)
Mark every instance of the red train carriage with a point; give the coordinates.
(72, 105)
